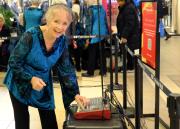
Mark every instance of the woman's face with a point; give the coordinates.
(59, 23)
(1, 22)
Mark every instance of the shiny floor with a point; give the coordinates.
(169, 75)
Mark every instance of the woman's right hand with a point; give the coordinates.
(37, 83)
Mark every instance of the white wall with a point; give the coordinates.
(174, 15)
(178, 16)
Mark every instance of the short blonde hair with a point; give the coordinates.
(2, 17)
(50, 12)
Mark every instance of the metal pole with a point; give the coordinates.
(124, 77)
(137, 94)
(173, 104)
(141, 88)
(100, 49)
(116, 63)
(157, 70)
(111, 72)
(117, 86)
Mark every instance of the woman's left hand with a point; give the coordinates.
(82, 101)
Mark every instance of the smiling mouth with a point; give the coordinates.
(58, 32)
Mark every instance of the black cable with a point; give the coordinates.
(121, 116)
(131, 103)
(121, 110)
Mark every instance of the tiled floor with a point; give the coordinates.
(170, 71)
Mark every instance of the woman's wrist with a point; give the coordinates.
(77, 96)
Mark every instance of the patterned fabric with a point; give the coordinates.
(29, 59)
(85, 19)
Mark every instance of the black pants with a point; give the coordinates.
(130, 62)
(21, 116)
(94, 56)
(4, 56)
(76, 53)
(130, 59)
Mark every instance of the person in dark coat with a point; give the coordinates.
(78, 45)
(92, 26)
(4, 43)
(128, 28)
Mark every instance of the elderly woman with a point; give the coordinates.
(4, 43)
(29, 78)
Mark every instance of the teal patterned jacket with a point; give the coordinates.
(30, 58)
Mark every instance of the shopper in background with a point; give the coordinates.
(97, 25)
(4, 4)
(15, 10)
(128, 28)
(76, 7)
(32, 16)
(163, 11)
(44, 5)
(77, 47)
(85, 21)
(29, 78)
(4, 43)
